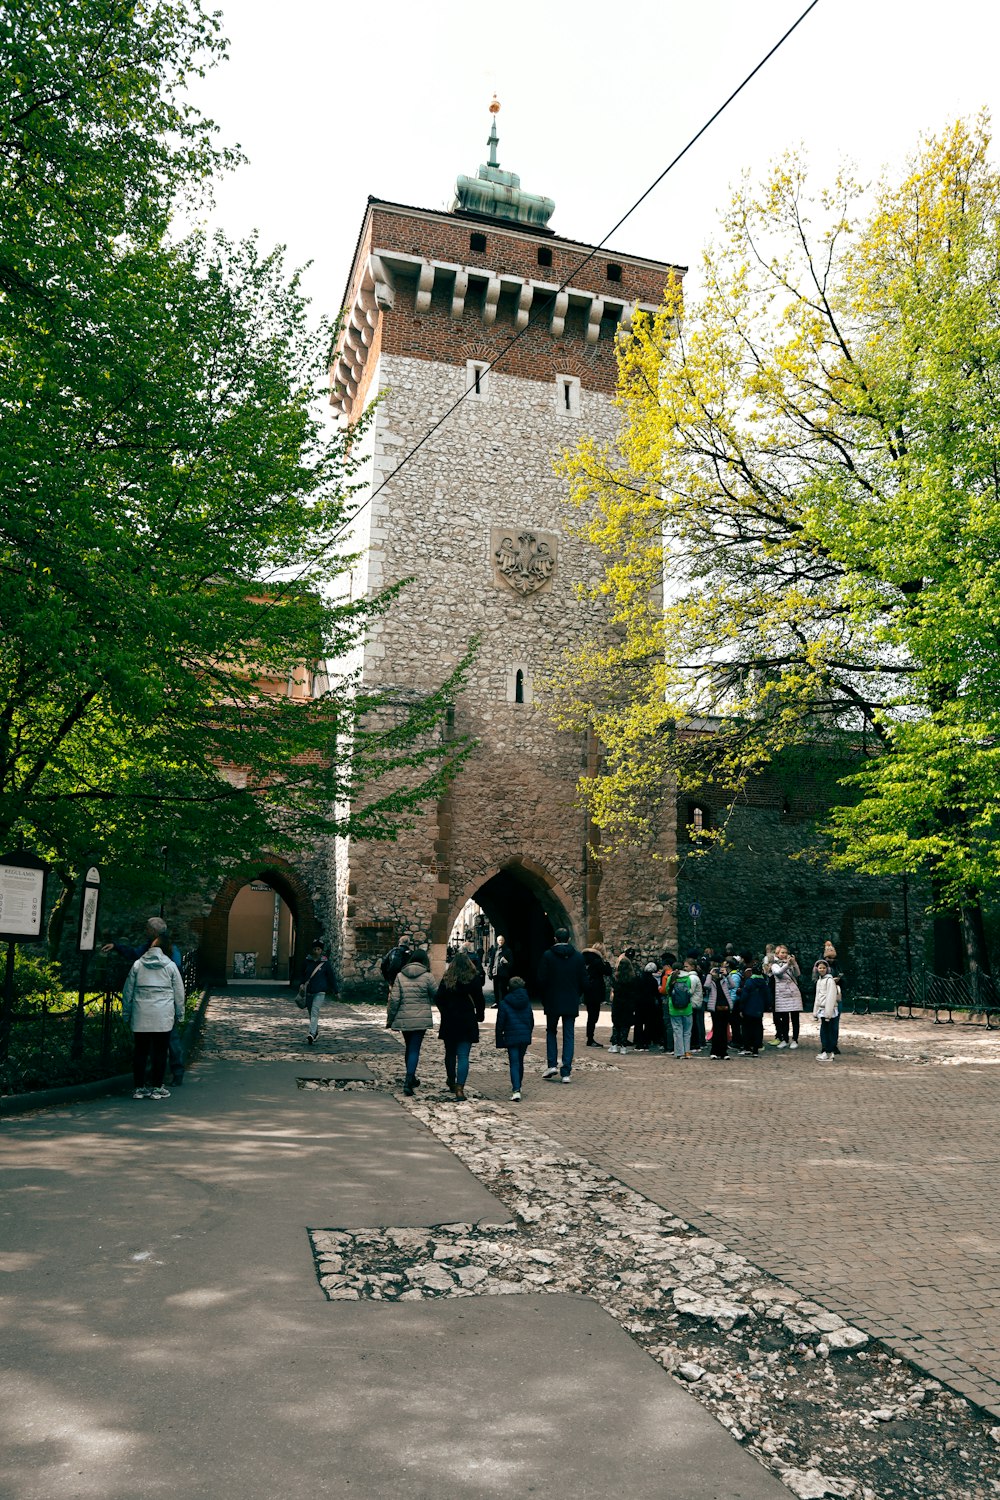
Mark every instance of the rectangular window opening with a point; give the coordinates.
(614, 272)
(544, 255)
(477, 241)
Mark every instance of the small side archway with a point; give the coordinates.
(286, 883)
(521, 900)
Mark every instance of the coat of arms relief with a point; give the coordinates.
(524, 560)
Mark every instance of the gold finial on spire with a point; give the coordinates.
(494, 105)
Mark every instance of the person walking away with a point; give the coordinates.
(684, 988)
(461, 1005)
(623, 997)
(785, 972)
(753, 1003)
(561, 977)
(152, 1003)
(647, 1003)
(515, 1024)
(396, 958)
(827, 1008)
(718, 1004)
(595, 986)
(409, 1010)
(320, 981)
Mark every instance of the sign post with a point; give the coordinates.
(86, 940)
(22, 917)
(695, 910)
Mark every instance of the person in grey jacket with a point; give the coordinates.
(410, 998)
(152, 1003)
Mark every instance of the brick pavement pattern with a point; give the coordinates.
(867, 1183)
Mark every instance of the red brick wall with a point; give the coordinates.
(537, 355)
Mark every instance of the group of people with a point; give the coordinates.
(662, 1002)
(692, 1003)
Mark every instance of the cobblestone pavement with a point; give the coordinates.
(760, 1349)
(868, 1183)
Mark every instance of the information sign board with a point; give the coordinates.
(22, 898)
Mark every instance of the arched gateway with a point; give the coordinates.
(522, 902)
(478, 520)
(264, 934)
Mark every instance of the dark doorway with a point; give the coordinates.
(524, 908)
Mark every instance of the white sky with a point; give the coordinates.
(333, 102)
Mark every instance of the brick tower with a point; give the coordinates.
(479, 519)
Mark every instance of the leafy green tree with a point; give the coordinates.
(170, 492)
(802, 520)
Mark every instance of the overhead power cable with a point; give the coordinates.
(574, 271)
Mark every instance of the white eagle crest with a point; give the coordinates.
(527, 564)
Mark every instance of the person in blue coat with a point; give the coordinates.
(515, 1023)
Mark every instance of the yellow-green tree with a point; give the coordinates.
(801, 519)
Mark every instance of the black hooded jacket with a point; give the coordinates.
(562, 975)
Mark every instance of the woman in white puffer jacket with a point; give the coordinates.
(786, 973)
(152, 1001)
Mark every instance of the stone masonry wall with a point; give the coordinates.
(513, 804)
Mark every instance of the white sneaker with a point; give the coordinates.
(142, 1093)
(160, 1093)
(612, 1049)
(515, 1098)
(793, 1046)
(822, 1057)
(624, 1051)
(782, 1046)
(551, 1073)
(566, 1078)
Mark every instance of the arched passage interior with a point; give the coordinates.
(215, 952)
(522, 905)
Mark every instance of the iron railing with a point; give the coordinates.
(49, 1047)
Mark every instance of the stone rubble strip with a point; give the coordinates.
(831, 1412)
(348, 1085)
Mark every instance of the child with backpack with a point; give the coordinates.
(684, 992)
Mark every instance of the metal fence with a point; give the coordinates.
(49, 1046)
(975, 998)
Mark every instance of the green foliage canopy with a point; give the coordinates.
(170, 491)
(801, 517)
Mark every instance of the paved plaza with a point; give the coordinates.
(202, 1297)
(868, 1183)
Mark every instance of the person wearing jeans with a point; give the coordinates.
(562, 979)
(320, 981)
(152, 1002)
(409, 1010)
(460, 1000)
(515, 1023)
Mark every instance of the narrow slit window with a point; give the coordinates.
(519, 687)
(476, 384)
(568, 395)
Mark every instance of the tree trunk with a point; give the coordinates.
(59, 913)
(974, 938)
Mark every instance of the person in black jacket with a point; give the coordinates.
(562, 975)
(460, 1001)
(320, 981)
(753, 1003)
(596, 986)
(515, 1023)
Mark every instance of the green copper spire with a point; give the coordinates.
(498, 195)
